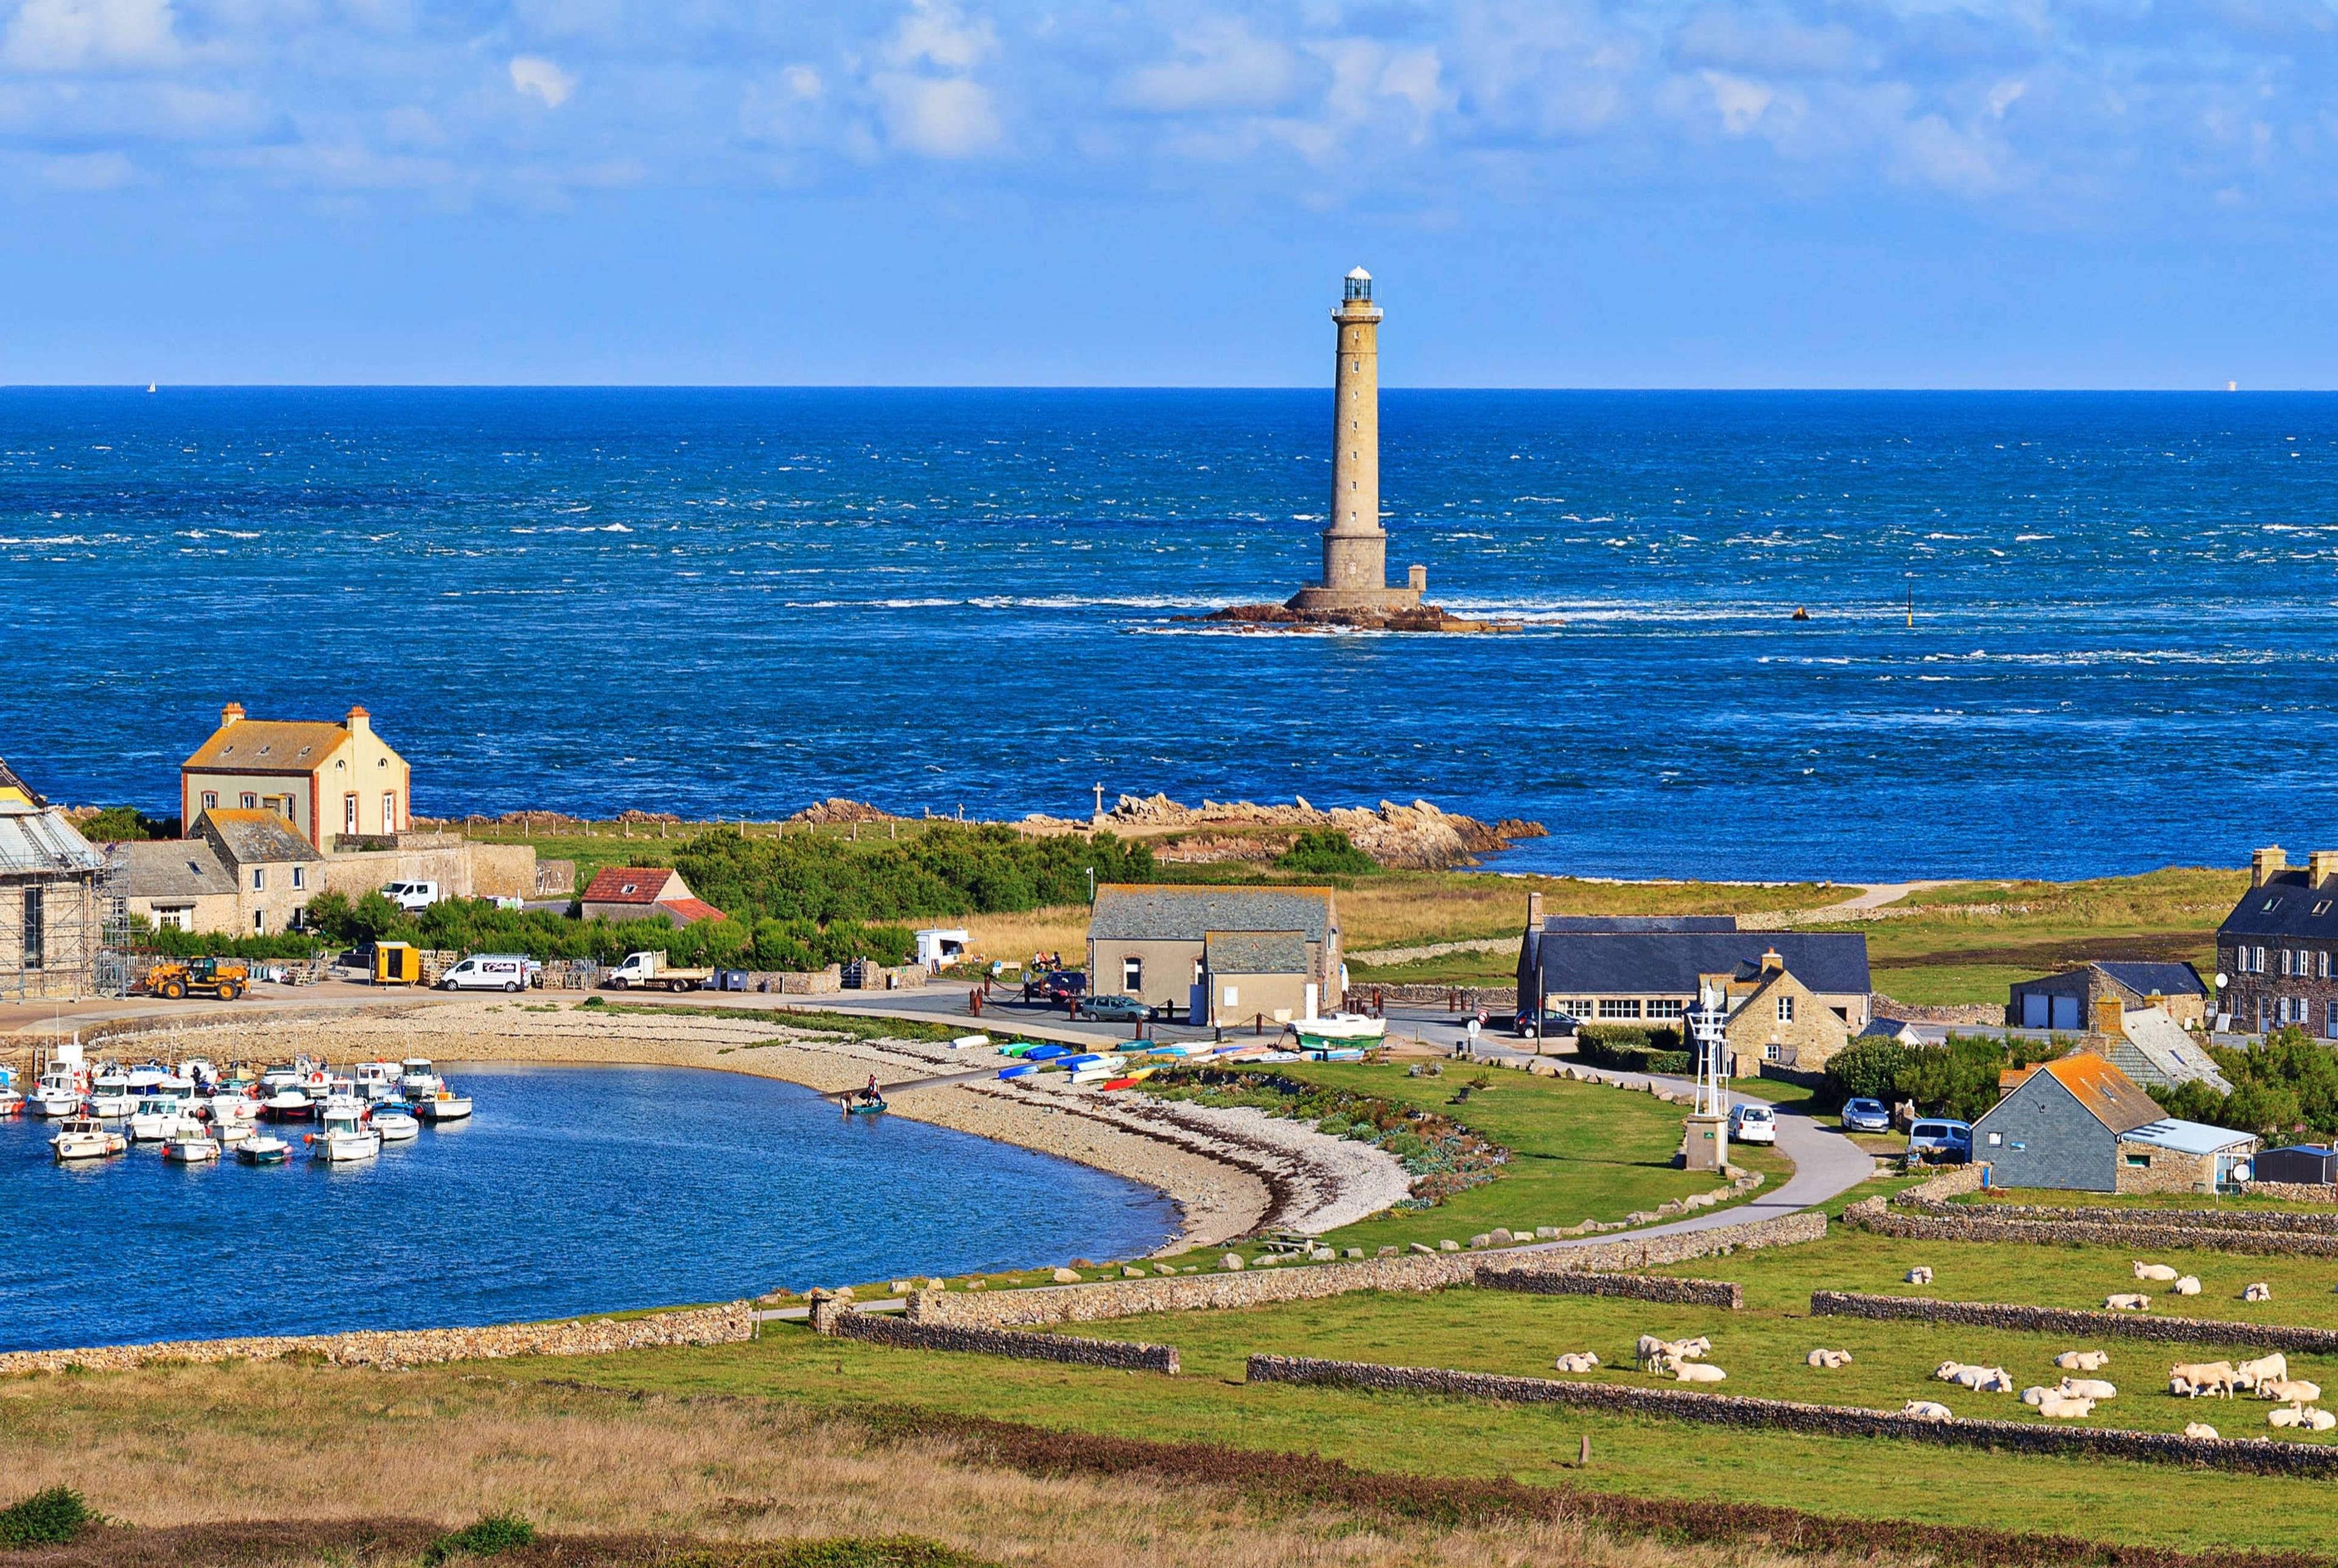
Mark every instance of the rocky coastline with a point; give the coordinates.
(1284, 618)
(1420, 837)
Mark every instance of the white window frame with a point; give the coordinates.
(349, 813)
(248, 801)
(1786, 1009)
(1132, 975)
(300, 877)
(211, 799)
(389, 812)
(259, 879)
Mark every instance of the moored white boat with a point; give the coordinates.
(376, 1080)
(444, 1106)
(58, 1093)
(233, 1110)
(110, 1095)
(191, 1148)
(288, 1105)
(343, 1139)
(86, 1137)
(263, 1148)
(417, 1079)
(228, 1134)
(154, 1118)
(395, 1126)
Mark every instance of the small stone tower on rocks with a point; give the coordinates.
(1355, 546)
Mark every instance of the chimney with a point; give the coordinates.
(230, 714)
(359, 722)
(2321, 865)
(2110, 1017)
(1534, 911)
(1772, 962)
(2265, 865)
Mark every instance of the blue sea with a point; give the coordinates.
(571, 1190)
(2124, 650)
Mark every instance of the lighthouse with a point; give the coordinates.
(1355, 545)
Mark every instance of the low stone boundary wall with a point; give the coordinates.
(2255, 1455)
(2074, 1320)
(1123, 1354)
(1258, 1288)
(1960, 1222)
(728, 1323)
(1635, 1286)
(1921, 1200)
(2293, 1191)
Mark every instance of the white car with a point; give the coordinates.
(487, 972)
(1752, 1124)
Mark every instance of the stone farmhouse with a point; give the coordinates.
(2067, 1000)
(1225, 955)
(1794, 998)
(2080, 1124)
(52, 923)
(2275, 949)
(242, 872)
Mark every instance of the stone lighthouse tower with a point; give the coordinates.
(1355, 546)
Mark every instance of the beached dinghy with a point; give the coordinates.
(1334, 1030)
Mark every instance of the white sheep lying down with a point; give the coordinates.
(2293, 1391)
(2188, 1286)
(2086, 1388)
(2198, 1429)
(1981, 1379)
(1692, 1371)
(1926, 1410)
(2083, 1360)
(1575, 1361)
(2050, 1402)
(2298, 1416)
(2126, 1303)
(1920, 1275)
(2260, 1291)
(1830, 1359)
(2159, 1273)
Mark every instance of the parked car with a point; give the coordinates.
(1529, 1026)
(1865, 1116)
(1114, 1009)
(1752, 1124)
(487, 972)
(1936, 1138)
(413, 897)
(1062, 986)
(357, 958)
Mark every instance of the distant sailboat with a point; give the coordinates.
(150, 386)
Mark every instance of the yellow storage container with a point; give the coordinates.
(397, 963)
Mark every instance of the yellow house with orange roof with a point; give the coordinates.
(325, 779)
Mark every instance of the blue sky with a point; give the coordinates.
(1551, 193)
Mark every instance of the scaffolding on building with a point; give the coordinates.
(55, 896)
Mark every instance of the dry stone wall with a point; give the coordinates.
(2070, 1320)
(1257, 1287)
(725, 1325)
(2293, 1191)
(1023, 1345)
(2268, 1458)
(1947, 1222)
(1663, 1288)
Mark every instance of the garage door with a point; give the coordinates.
(2066, 1013)
(2033, 1010)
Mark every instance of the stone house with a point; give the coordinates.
(327, 779)
(2067, 1000)
(242, 872)
(1604, 969)
(2275, 949)
(1152, 942)
(2079, 1124)
(1774, 1019)
(52, 927)
(644, 893)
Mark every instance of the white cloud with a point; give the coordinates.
(1221, 63)
(534, 76)
(87, 171)
(934, 33)
(944, 117)
(85, 34)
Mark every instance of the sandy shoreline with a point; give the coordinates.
(1230, 1172)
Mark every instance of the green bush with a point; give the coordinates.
(1630, 1048)
(1326, 852)
(1866, 1070)
(125, 825)
(488, 1537)
(2284, 1086)
(51, 1518)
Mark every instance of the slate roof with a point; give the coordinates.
(2109, 1095)
(170, 868)
(2186, 1137)
(1255, 952)
(256, 835)
(630, 885)
(1669, 963)
(1639, 925)
(2154, 979)
(2169, 1050)
(269, 746)
(1149, 912)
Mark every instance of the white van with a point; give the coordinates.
(413, 897)
(487, 972)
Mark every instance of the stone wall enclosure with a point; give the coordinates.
(2068, 1320)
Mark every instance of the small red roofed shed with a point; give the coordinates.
(644, 893)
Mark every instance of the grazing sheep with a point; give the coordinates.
(2061, 1409)
(2296, 1392)
(1920, 1275)
(2270, 1368)
(2126, 1303)
(2260, 1291)
(2158, 1272)
(1575, 1361)
(1926, 1410)
(2086, 1388)
(2198, 1429)
(1830, 1359)
(2287, 1415)
(2190, 1379)
(2188, 1286)
(2083, 1360)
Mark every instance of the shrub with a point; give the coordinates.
(2286, 1083)
(1326, 852)
(51, 1518)
(1866, 1070)
(1632, 1049)
(487, 1537)
(123, 825)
